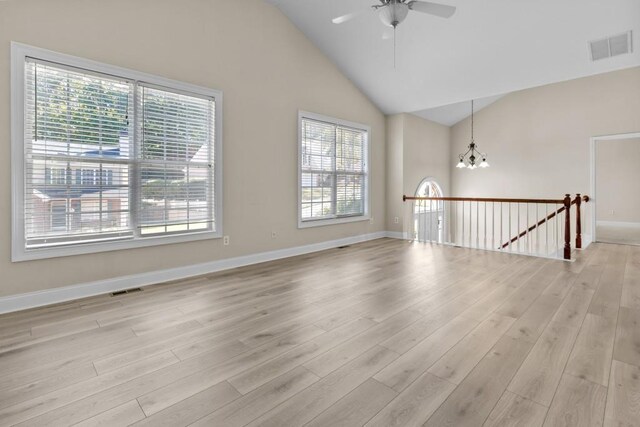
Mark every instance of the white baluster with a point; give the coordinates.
(444, 222)
(471, 227)
(423, 226)
(555, 230)
(485, 225)
(477, 224)
(501, 227)
(546, 228)
(537, 234)
(527, 228)
(518, 228)
(509, 236)
(493, 224)
(430, 221)
(462, 235)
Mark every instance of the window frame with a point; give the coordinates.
(19, 54)
(366, 216)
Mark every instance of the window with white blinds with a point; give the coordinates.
(77, 160)
(176, 162)
(333, 170)
(110, 158)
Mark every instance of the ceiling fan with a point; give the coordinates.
(393, 12)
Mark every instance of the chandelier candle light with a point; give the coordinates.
(468, 159)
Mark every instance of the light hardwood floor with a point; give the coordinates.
(384, 333)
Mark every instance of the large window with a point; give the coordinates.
(106, 158)
(333, 171)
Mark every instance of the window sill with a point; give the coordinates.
(20, 254)
(332, 221)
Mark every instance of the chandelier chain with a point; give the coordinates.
(472, 120)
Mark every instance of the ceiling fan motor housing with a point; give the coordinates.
(393, 13)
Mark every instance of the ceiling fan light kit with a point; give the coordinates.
(392, 14)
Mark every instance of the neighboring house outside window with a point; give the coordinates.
(91, 201)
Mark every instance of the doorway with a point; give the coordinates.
(428, 215)
(615, 188)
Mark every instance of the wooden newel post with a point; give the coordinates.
(578, 222)
(567, 226)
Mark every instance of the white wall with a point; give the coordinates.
(617, 180)
(267, 70)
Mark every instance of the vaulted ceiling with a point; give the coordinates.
(487, 48)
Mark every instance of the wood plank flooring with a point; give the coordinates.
(383, 333)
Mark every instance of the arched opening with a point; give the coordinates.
(428, 218)
(428, 188)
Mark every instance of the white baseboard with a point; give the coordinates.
(397, 235)
(74, 292)
(587, 239)
(618, 224)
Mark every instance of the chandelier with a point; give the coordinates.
(469, 158)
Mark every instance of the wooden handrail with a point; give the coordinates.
(485, 199)
(578, 200)
(566, 203)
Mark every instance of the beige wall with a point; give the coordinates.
(617, 180)
(538, 140)
(426, 153)
(395, 147)
(267, 70)
(416, 149)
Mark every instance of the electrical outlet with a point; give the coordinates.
(274, 234)
(396, 220)
(226, 240)
(613, 212)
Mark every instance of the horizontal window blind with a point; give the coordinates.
(333, 170)
(176, 162)
(77, 162)
(108, 158)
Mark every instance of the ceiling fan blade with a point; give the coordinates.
(347, 17)
(441, 10)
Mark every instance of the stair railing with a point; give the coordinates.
(483, 223)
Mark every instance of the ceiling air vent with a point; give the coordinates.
(611, 46)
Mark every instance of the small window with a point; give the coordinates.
(56, 176)
(334, 176)
(107, 158)
(429, 188)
